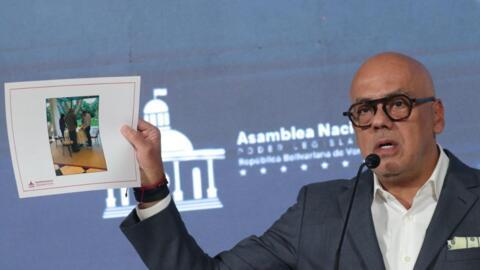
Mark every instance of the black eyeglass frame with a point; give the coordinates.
(373, 103)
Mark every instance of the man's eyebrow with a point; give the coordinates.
(360, 100)
(393, 93)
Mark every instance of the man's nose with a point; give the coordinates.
(381, 119)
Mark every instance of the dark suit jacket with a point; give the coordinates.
(307, 235)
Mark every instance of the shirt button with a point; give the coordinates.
(407, 259)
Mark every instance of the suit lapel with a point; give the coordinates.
(454, 203)
(361, 231)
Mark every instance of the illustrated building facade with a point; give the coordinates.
(184, 166)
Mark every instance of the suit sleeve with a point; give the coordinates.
(163, 242)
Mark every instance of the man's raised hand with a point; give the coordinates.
(146, 142)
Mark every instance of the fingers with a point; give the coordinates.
(144, 125)
(146, 141)
(150, 132)
(134, 137)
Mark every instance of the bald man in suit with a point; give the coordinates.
(417, 210)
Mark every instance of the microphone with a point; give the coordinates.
(371, 161)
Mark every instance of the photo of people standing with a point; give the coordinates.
(74, 135)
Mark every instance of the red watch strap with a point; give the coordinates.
(161, 182)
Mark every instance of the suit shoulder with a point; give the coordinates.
(468, 175)
(323, 197)
(329, 185)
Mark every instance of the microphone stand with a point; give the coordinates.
(371, 161)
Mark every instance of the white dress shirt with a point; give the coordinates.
(400, 231)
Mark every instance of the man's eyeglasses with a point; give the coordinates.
(397, 107)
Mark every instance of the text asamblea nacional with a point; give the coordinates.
(293, 133)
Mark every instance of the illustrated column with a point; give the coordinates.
(212, 190)
(177, 193)
(111, 201)
(197, 183)
(125, 200)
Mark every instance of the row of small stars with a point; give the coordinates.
(303, 167)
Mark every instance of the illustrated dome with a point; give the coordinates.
(175, 141)
(155, 106)
(156, 110)
(156, 113)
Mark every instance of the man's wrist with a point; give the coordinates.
(162, 181)
(153, 177)
(150, 193)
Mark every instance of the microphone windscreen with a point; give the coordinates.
(372, 161)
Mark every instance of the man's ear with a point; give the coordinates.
(438, 116)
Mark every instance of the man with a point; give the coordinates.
(61, 123)
(412, 213)
(71, 123)
(86, 120)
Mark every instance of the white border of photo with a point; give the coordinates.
(25, 110)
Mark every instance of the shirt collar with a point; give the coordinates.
(436, 179)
